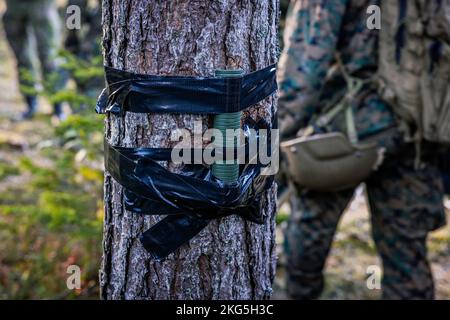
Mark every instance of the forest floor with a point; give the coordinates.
(353, 250)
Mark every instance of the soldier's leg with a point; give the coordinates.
(17, 28)
(406, 205)
(308, 238)
(47, 29)
(15, 24)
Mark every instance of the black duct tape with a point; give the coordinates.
(176, 94)
(189, 199)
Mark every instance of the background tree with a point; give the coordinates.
(231, 258)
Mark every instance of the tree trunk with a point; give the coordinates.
(231, 258)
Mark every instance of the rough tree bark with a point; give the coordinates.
(230, 259)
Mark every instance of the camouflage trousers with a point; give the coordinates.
(405, 204)
(25, 21)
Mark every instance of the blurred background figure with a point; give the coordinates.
(38, 20)
(85, 45)
(328, 50)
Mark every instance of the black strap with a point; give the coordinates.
(186, 191)
(190, 200)
(190, 95)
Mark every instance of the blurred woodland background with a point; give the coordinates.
(51, 210)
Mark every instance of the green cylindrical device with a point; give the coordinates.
(228, 173)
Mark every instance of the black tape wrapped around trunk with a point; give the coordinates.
(190, 199)
(176, 94)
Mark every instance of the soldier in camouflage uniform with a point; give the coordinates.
(405, 203)
(40, 19)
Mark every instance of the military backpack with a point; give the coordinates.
(414, 66)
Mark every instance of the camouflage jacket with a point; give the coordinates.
(317, 30)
